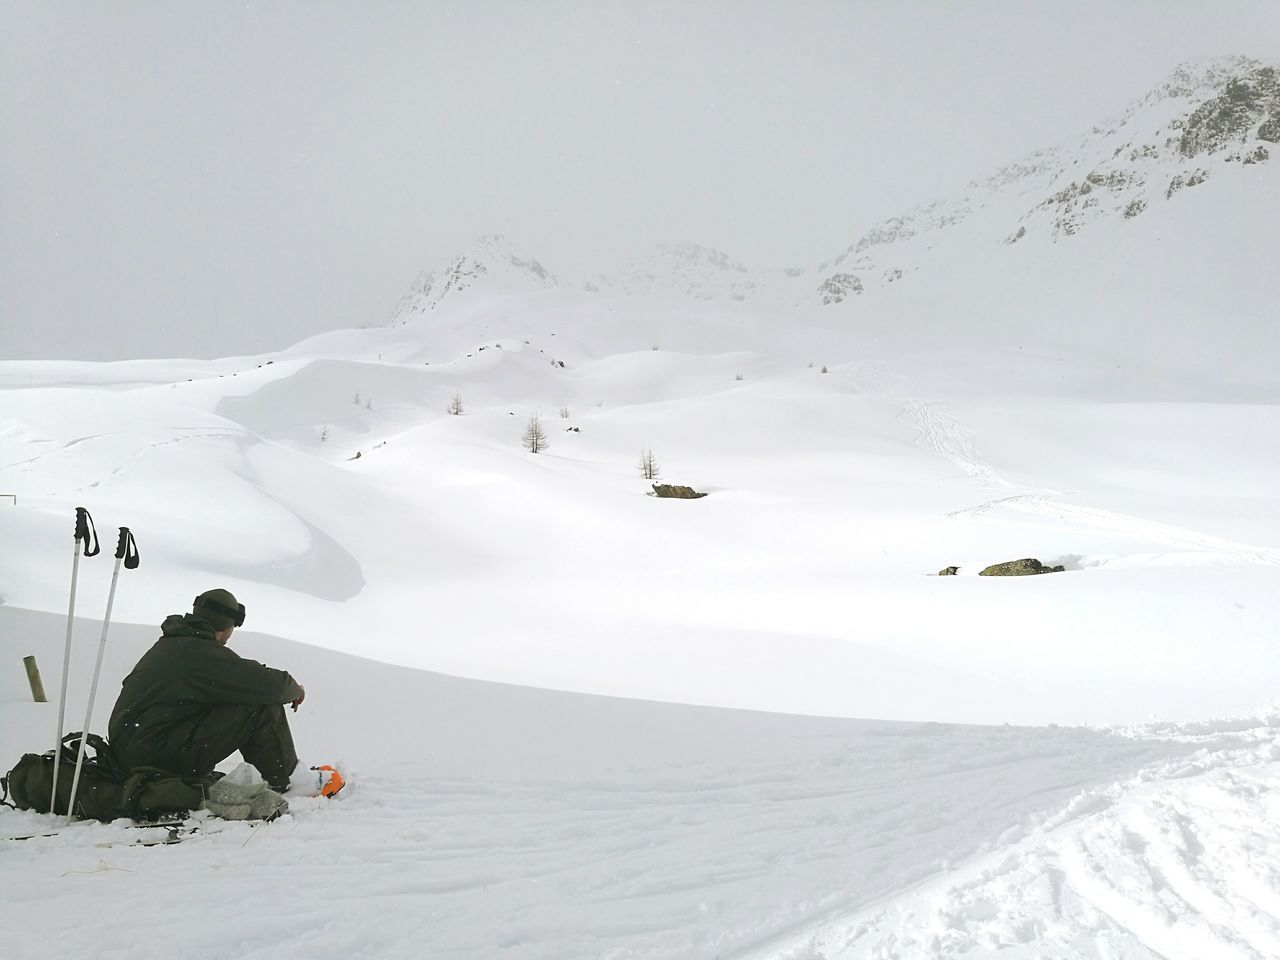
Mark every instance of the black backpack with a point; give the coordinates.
(105, 791)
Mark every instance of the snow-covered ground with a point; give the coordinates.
(586, 722)
(484, 820)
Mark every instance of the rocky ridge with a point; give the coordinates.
(1202, 117)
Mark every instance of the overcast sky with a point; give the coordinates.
(207, 179)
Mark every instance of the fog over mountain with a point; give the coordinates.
(1225, 110)
(229, 179)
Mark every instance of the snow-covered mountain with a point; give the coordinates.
(492, 265)
(1208, 119)
(1217, 119)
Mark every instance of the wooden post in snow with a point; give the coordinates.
(33, 678)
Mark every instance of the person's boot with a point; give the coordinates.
(242, 796)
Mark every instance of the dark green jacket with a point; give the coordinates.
(177, 683)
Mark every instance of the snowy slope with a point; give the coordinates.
(490, 821)
(833, 498)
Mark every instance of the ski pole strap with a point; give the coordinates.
(102, 757)
(127, 549)
(86, 531)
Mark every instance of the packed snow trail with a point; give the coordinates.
(696, 860)
(484, 820)
(1179, 863)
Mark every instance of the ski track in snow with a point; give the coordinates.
(1178, 863)
(694, 860)
(942, 434)
(142, 449)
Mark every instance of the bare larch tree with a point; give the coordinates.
(649, 466)
(535, 438)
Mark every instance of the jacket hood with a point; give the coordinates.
(185, 625)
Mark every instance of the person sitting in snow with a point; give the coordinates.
(191, 702)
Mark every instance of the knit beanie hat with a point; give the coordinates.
(218, 608)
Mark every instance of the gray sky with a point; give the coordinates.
(206, 179)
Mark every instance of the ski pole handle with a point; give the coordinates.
(127, 549)
(86, 532)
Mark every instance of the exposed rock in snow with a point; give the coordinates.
(1019, 568)
(1247, 107)
(836, 287)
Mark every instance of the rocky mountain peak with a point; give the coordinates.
(492, 262)
(1247, 107)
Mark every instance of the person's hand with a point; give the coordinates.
(301, 696)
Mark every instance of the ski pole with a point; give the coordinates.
(85, 530)
(126, 551)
